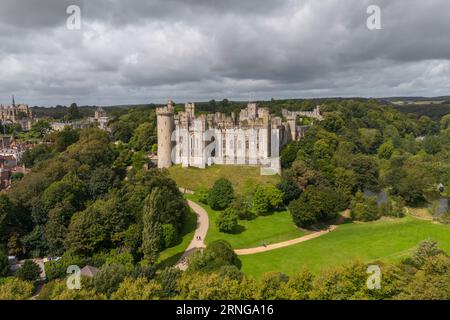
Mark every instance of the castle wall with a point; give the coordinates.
(165, 124)
(216, 138)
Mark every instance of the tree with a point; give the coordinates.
(144, 137)
(289, 154)
(168, 278)
(333, 122)
(221, 194)
(267, 198)
(227, 221)
(217, 254)
(109, 278)
(137, 289)
(65, 138)
(425, 250)
(289, 189)
(364, 208)
(445, 122)
(169, 235)
(4, 266)
(301, 213)
(29, 271)
(39, 153)
(87, 232)
(385, 150)
(152, 230)
(73, 113)
(242, 206)
(40, 129)
(366, 170)
(315, 205)
(273, 286)
(16, 289)
(432, 144)
(431, 281)
(6, 207)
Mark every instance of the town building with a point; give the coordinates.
(254, 137)
(17, 114)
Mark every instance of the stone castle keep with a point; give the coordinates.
(255, 137)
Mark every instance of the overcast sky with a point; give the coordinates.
(141, 51)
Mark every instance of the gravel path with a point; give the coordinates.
(242, 252)
(198, 242)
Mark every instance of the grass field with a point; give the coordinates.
(385, 240)
(242, 177)
(273, 228)
(170, 256)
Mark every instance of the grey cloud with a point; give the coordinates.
(140, 51)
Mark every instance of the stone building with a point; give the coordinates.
(254, 138)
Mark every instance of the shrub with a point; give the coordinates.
(221, 194)
(29, 271)
(227, 220)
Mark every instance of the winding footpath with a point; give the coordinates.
(243, 252)
(198, 242)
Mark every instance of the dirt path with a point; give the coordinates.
(198, 241)
(242, 252)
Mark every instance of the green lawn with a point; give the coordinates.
(242, 177)
(170, 256)
(273, 228)
(386, 240)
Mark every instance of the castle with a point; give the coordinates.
(20, 114)
(255, 137)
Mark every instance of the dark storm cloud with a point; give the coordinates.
(141, 51)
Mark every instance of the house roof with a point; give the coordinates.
(89, 271)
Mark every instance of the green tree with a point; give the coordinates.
(364, 208)
(445, 122)
(221, 194)
(29, 271)
(109, 278)
(425, 250)
(267, 198)
(385, 150)
(73, 113)
(87, 232)
(227, 221)
(16, 289)
(40, 129)
(137, 289)
(4, 267)
(144, 137)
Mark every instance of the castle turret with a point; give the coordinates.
(166, 125)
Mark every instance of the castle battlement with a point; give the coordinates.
(249, 139)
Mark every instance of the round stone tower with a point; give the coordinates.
(166, 125)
